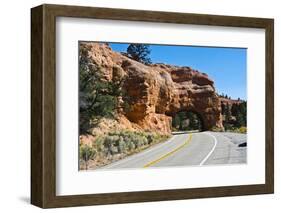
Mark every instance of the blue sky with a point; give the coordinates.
(226, 66)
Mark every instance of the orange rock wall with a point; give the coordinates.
(156, 92)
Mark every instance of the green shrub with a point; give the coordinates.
(109, 144)
(126, 141)
(149, 138)
(242, 129)
(99, 144)
(145, 140)
(217, 129)
(131, 145)
(87, 153)
(120, 144)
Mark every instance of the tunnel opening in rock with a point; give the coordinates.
(187, 121)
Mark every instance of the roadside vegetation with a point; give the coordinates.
(87, 153)
(115, 146)
(242, 129)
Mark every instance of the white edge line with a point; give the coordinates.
(212, 150)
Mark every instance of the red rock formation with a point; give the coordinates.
(230, 102)
(156, 92)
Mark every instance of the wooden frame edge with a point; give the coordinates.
(269, 105)
(36, 106)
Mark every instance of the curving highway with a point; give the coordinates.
(189, 149)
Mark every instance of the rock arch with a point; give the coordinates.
(160, 91)
(157, 91)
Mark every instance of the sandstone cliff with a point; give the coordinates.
(156, 92)
(229, 101)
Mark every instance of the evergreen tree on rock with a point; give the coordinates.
(139, 52)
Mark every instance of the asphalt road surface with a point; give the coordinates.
(189, 149)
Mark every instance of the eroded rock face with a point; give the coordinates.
(154, 93)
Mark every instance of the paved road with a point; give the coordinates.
(189, 149)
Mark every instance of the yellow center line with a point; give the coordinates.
(169, 153)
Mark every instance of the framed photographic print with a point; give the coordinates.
(136, 106)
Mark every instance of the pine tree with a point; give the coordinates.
(223, 108)
(227, 113)
(234, 109)
(240, 120)
(241, 115)
(243, 111)
(193, 121)
(227, 117)
(176, 121)
(182, 117)
(139, 52)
